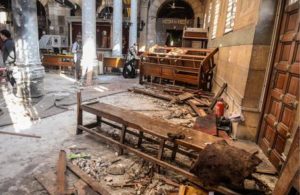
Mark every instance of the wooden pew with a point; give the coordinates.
(191, 66)
(141, 126)
(60, 61)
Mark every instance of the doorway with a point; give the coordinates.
(172, 17)
(174, 38)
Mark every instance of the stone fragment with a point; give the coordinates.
(116, 170)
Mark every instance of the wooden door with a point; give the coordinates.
(283, 94)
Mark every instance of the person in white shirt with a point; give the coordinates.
(76, 51)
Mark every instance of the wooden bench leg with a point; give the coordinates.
(174, 151)
(160, 152)
(99, 122)
(79, 113)
(122, 138)
(140, 140)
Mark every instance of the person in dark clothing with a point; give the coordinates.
(8, 54)
(8, 48)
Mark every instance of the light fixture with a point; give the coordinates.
(3, 15)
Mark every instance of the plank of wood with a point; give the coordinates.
(200, 112)
(182, 97)
(87, 179)
(193, 139)
(47, 180)
(185, 96)
(19, 134)
(152, 94)
(266, 171)
(79, 112)
(286, 179)
(61, 169)
(291, 169)
(80, 187)
(220, 92)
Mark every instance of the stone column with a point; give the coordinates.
(133, 21)
(117, 28)
(28, 71)
(89, 57)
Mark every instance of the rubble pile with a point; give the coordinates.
(139, 175)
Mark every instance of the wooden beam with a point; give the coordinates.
(80, 187)
(200, 112)
(144, 92)
(79, 112)
(19, 134)
(96, 186)
(47, 180)
(220, 92)
(61, 168)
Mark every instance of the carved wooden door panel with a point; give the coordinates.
(283, 93)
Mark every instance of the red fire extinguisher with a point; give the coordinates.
(220, 108)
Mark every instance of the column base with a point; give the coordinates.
(29, 81)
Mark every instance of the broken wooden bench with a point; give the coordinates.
(128, 121)
(189, 66)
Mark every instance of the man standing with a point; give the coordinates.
(76, 50)
(8, 53)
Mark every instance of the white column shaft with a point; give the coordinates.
(89, 56)
(26, 32)
(117, 28)
(134, 22)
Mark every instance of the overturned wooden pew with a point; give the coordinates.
(129, 122)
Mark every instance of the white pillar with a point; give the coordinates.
(133, 21)
(28, 72)
(117, 28)
(89, 57)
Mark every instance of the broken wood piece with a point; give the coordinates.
(60, 173)
(87, 179)
(201, 101)
(80, 187)
(200, 112)
(20, 134)
(168, 181)
(220, 92)
(266, 171)
(47, 180)
(152, 94)
(189, 190)
(182, 97)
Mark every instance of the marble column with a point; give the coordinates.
(117, 28)
(134, 22)
(28, 71)
(89, 57)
